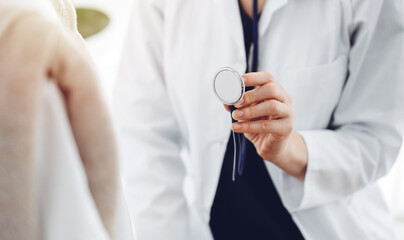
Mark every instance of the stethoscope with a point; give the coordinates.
(229, 87)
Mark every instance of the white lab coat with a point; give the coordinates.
(340, 60)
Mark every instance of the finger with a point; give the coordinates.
(226, 107)
(272, 109)
(270, 90)
(257, 78)
(281, 127)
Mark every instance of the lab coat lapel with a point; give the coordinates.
(271, 6)
(233, 32)
(234, 29)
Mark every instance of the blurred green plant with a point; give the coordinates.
(90, 21)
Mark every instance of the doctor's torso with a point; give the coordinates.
(307, 47)
(307, 55)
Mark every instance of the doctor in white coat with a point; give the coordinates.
(339, 61)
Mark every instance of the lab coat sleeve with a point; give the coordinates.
(148, 131)
(365, 133)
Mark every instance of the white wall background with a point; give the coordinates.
(106, 47)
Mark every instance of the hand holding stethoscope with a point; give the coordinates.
(265, 116)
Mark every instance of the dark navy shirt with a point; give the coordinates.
(250, 208)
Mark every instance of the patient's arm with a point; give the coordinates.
(90, 121)
(22, 55)
(32, 51)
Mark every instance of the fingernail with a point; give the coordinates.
(240, 103)
(236, 126)
(238, 113)
(244, 79)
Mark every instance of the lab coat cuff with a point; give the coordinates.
(295, 194)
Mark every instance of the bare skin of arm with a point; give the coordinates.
(34, 50)
(90, 121)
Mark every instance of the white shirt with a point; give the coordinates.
(65, 207)
(340, 61)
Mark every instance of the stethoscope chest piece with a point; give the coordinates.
(228, 86)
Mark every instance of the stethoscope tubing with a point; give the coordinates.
(238, 138)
